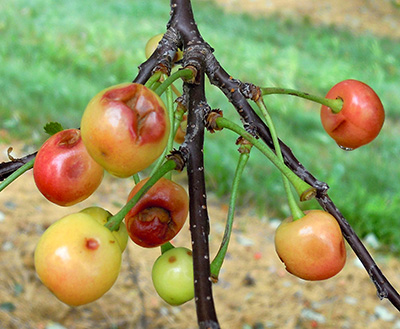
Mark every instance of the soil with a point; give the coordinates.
(254, 290)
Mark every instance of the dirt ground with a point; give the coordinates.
(254, 290)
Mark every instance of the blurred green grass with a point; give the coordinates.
(54, 56)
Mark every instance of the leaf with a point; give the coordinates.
(52, 128)
(8, 307)
(18, 289)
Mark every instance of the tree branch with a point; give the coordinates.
(199, 221)
(383, 286)
(232, 89)
(7, 168)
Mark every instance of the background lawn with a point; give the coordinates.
(55, 57)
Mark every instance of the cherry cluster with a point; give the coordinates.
(129, 130)
(124, 130)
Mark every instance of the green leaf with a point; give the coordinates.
(7, 307)
(52, 128)
(18, 289)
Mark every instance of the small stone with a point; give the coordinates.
(8, 245)
(350, 300)
(246, 242)
(382, 313)
(54, 325)
(10, 205)
(311, 315)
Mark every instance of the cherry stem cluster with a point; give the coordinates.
(304, 190)
(297, 213)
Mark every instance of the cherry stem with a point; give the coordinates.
(114, 222)
(334, 104)
(171, 114)
(166, 246)
(152, 82)
(216, 264)
(175, 119)
(136, 178)
(16, 174)
(183, 73)
(305, 191)
(295, 210)
(179, 113)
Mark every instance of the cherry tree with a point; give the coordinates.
(352, 115)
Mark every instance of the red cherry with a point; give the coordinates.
(361, 117)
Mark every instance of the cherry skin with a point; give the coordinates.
(125, 128)
(152, 44)
(102, 215)
(172, 276)
(361, 117)
(312, 247)
(63, 171)
(78, 259)
(159, 214)
(181, 131)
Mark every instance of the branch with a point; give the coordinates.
(194, 93)
(383, 286)
(232, 89)
(199, 221)
(7, 168)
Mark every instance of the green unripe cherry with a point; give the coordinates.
(172, 276)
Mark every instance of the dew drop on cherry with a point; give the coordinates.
(344, 148)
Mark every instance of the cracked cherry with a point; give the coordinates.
(125, 128)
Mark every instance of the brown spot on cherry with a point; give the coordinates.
(153, 213)
(74, 168)
(92, 244)
(70, 138)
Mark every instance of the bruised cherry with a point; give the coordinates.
(159, 215)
